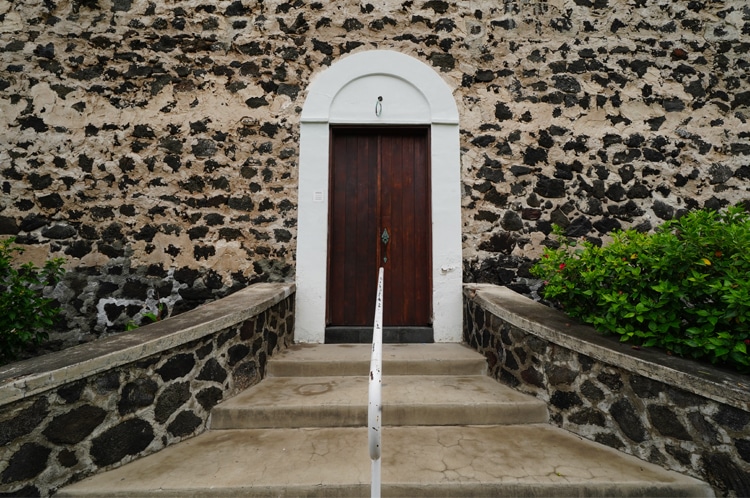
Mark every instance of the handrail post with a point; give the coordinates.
(375, 407)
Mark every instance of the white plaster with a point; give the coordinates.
(401, 103)
(346, 93)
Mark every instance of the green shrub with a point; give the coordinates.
(684, 288)
(25, 315)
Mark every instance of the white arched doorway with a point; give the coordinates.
(347, 94)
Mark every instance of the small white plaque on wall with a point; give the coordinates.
(318, 196)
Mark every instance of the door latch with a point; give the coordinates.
(385, 238)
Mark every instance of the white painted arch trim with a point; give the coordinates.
(346, 93)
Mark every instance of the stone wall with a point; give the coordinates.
(684, 416)
(99, 406)
(155, 145)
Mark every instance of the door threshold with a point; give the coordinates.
(391, 335)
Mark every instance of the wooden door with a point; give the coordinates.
(380, 215)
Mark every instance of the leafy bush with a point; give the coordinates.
(24, 313)
(684, 288)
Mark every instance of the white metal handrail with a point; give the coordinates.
(375, 407)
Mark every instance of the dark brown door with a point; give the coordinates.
(380, 216)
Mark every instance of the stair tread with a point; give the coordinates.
(398, 359)
(524, 460)
(407, 400)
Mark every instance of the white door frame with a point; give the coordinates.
(412, 94)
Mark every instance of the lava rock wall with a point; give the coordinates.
(659, 421)
(155, 145)
(106, 419)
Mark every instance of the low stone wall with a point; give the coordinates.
(100, 405)
(682, 415)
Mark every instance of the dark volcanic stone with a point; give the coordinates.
(184, 424)
(627, 173)
(173, 397)
(588, 416)
(137, 394)
(558, 374)
(502, 242)
(741, 99)
(579, 227)
(32, 222)
(609, 439)
(667, 423)
(75, 425)
(720, 173)
(567, 83)
(550, 187)
(236, 9)
(209, 397)
(606, 225)
(627, 419)
(704, 429)
(8, 225)
(533, 156)
(51, 201)
(143, 131)
(213, 371)
(256, 102)
(673, 105)
(533, 377)
(743, 448)
(59, 232)
(246, 374)
(616, 192)
(591, 392)
(445, 62)
(40, 182)
(25, 422)
(127, 438)
(663, 211)
(639, 191)
(28, 462)
(724, 474)
(204, 148)
(67, 458)
(732, 418)
(484, 76)
(37, 124)
(564, 400)
(511, 221)
(503, 112)
(645, 387)
(611, 380)
(176, 367)
(71, 393)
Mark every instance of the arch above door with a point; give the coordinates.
(378, 87)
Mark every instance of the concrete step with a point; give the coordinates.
(312, 360)
(408, 400)
(449, 431)
(502, 461)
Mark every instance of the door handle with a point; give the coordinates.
(384, 238)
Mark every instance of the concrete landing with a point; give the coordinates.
(502, 461)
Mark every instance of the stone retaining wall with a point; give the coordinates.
(154, 145)
(100, 405)
(685, 416)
